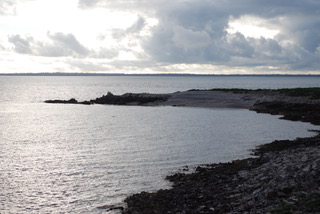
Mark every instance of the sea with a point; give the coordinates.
(63, 158)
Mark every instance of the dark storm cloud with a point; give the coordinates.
(262, 7)
(180, 45)
(195, 32)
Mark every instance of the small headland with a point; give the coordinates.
(283, 176)
(111, 99)
(213, 98)
(71, 101)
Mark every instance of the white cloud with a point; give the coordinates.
(252, 26)
(144, 35)
(105, 53)
(21, 45)
(60, 44)
(7, 7)
(69, 43)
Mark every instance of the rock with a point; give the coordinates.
(71, 101)
(283, 176)
(307, 112)
(129, 98)
(125, 99)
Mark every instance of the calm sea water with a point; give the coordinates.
(75, 158)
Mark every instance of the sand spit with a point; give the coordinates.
(207, 99)
(222, 99)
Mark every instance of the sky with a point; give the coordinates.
(160, 36)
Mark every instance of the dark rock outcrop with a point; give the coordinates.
(283, 179)
(291, 111)
(71, 101)
(125, 99)
(129, 98)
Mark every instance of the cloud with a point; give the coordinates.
(195, 32)
(133, 30)
(7, 7)
(137, 26)
(105, 53)
(278, 34)
(302, 29)
(239, 46)
(88, 66)
(119, 4)
(59, 45)
(68, 44)
(21, 45)
(176, 44)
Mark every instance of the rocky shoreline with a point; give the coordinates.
(282, 177)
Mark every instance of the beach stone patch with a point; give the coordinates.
(287, 179)
(306, 112)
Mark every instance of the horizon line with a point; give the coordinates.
(143, 74)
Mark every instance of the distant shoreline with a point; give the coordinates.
(156, 74)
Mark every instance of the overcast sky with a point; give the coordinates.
(160, 36)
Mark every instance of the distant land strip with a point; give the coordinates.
(150, 74)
